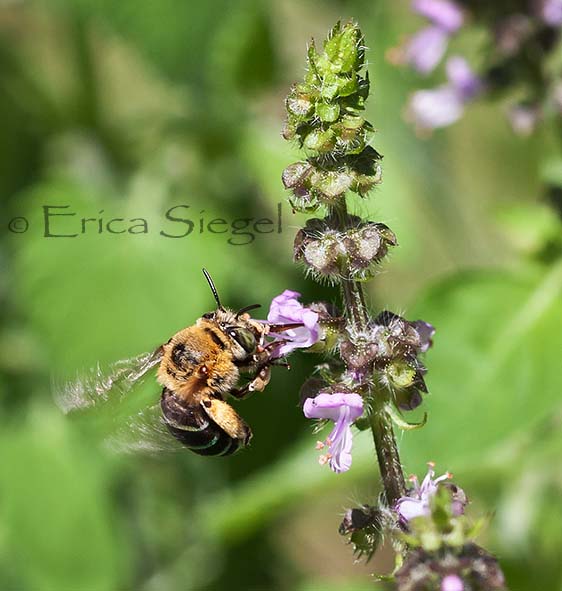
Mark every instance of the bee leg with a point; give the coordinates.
(281, 362)
(261, 379)
(257, 384)
(241, 393)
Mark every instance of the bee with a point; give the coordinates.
(198, 368)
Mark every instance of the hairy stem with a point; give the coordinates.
(381, 425)
(388, 456)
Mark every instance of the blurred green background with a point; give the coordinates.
(129, 108)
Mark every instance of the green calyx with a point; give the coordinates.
(324, 117)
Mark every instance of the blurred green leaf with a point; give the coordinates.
(494, 370)
(58, 525)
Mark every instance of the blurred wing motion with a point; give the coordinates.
(97, 386)
(144, 431)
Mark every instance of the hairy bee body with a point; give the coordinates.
(200, 365)
(191, 425)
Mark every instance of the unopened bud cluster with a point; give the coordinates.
(324, 117)
(440, 537)
(364, 525)
(330, 253)
(469, 567)
(389, 350)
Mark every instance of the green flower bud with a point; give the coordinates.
(328, 185)
(400, 374)
(328, 112)
(320, 140)
(324, 116)
(343, 49)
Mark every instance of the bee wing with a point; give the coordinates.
(145, 432)
(98, 386)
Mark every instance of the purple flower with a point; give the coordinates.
(426, 48)
(462, 78)
(418, 502)
(286, 309)
(452, 583)
(551, 12)
(445, 104)
(343, 409)
(442, 13)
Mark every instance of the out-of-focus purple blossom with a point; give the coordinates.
(462, 78)
(431, 109)
(425, 49)
(418, 502)
(452, 583)
(524, 119)
(286, 309)
(550, 11)
(441, 106)
(445, 14)
(343, 409)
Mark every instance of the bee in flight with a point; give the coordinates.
(198, 367)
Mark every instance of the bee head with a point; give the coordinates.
(243, 337)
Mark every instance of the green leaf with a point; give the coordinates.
(57, 522)
(494, 369)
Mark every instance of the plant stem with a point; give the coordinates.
(354, 298)
(381, 425)
(387, 455)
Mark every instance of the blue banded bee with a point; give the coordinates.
(198, 367)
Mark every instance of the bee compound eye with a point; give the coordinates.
(244, 337)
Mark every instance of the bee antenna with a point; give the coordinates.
(213, 288)
(247, 309)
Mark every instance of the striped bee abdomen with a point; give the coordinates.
(194, 428)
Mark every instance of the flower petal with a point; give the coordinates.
(411, 508)
(439, 107)
(551, 12)
(286, 309)
(462, 78)
(426, 48)
(444, 13)
(327, 406)
(452, 583)
(343, 409)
